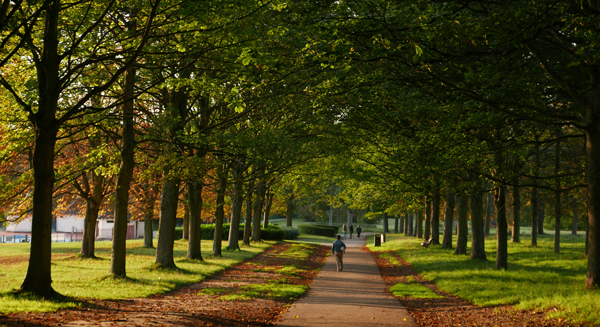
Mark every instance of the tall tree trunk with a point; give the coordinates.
(419, 223)
(195, 207)
(269, 202)
(427, 235)
(289, 211)
(516, 230)
(501, 232)
(125, 175)
(339, 215)
(448, 218)
(38, 279)
(488, 213)
(541, 216)
(406, 221)
(534, 213)
(575, 217)
(478, 232)
(557, 195)
(330, 212)
(435, 218)
(409, 219)
(259, 202)
(168, 215)
(593, 188)
(248, 222)
(462, 207)
(399, 224)
(237, 172)
(386, 227)
(220, 213)
(416, 224)
(89, 229)
(186, 222)
(350, 214)
(148, 237)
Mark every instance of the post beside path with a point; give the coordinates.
(356, 296)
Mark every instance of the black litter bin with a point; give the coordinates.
(377, 239)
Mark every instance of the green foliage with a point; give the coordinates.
(272, 233)
(318, 230)
(290, 233)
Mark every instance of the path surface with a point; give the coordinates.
(356, 296)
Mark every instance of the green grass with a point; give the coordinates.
(536, 278)
(274, 289)
(89, 278)
(415, 290)
(308, 238)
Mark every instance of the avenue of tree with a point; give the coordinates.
(230, 110)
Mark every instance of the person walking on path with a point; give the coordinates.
(351, 231)
(358, 230)
(338, 248)
(344, 229)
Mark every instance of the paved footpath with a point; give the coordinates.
(356, 296)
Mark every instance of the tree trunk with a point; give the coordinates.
(409, 219)
(575, 217)
(89, 229)
(268, 209)
(435, 218)
(38, 279)
(406, 222)
(415, 224)
(350, 213)
(125, 175)
(516, 230)
(195, 208)
(534, 214)
(462, 207)
(477, 232)
(237, 203)
(148, 218)
(448, 218)
(419, 223)
(399, 224)
(248, 223)
(593, 191)
(186, 222)
(220, 213)
(289, 211)
(259, 202)
(168, 215)
(501, 233)
(541, 216)
(557, 195)
(386, 228)
(339, 215)
(330, 212)
(488, 213)
(427, 235)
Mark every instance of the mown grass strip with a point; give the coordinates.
(89, 278)
(537, 278)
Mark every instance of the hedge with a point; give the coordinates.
(329, 231)
(291, 233)
(207, 232)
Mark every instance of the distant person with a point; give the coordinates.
(338, 248)
(358, 230)
(345, 230)
(351, 230)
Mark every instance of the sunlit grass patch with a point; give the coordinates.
(415, 290)
(213, 291)
(272, 289)
(87, 278)
(12, 303)
(536, 278)
(235, 297)
(297, 251)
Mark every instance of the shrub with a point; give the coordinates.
(330, 231)
(290, 233)
(272, 233)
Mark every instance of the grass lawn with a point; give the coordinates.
(536, 278)
(89, 278)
